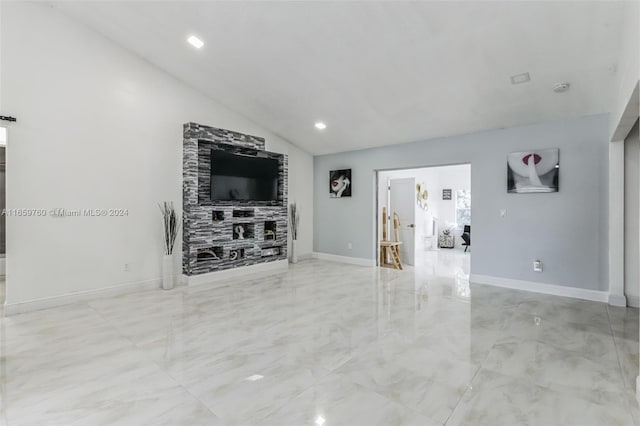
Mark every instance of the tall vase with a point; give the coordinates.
(167, 272)
(294, 251)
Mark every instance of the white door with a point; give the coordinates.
(402, 202)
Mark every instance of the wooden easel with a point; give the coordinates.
(390, 248)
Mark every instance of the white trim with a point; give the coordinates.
(628, 116)
(633, 301)
(616, 224)
(638, 389)
(219, 277)
(344, 259)
(81, 296)
(532, 286)
(617, 300)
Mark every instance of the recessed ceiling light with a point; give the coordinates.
(195, 42)
(561, 87)
(320, 420)
(520, 78)
(320, 125)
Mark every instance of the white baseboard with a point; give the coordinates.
(633, 301)
(532, 286)
(81, 296)
(305, 256)
(344, 259)
(219, 277)
(638, 389)
(617, 300)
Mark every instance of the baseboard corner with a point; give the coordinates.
(633, 301)
(617, 300)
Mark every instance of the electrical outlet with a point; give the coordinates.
(127, 267)
(349, 246)
(537, 266)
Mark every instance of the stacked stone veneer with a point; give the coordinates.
(209, 225)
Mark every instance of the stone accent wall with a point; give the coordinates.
(208, 226)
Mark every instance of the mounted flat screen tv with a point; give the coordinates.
(237, 177)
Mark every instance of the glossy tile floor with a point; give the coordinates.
(324, 344)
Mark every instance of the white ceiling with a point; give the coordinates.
(377, 73)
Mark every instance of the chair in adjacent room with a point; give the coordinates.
(466, 236)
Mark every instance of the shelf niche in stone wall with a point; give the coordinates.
(270, 229)
(217, 216)
(210, 254)
(270, 251)
(244, 213)
(243, 231)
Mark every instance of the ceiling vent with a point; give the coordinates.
(561, 87)
(520, 78)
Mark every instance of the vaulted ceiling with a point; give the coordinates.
(377, 73)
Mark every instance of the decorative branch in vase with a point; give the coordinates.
(171, 226)
(294, 222)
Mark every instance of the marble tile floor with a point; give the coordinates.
(2, 293)
(324, 344)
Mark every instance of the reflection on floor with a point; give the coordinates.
(445, 263)
(324, 344)
(2, 293)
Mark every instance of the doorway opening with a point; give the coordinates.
(432, 211)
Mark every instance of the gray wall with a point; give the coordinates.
(566, 230)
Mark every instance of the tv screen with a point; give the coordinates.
(243, 177)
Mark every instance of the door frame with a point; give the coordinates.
(376, 201)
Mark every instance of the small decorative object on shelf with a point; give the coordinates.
(294, 222)
(271, 251)
(171, 226)
(238, 232)
(207, 254)
(233, 255)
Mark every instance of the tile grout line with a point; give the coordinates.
(622, 373)
(468, 389)
(177, 382)
(162, 370)
(615, 345)
(480, 366)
